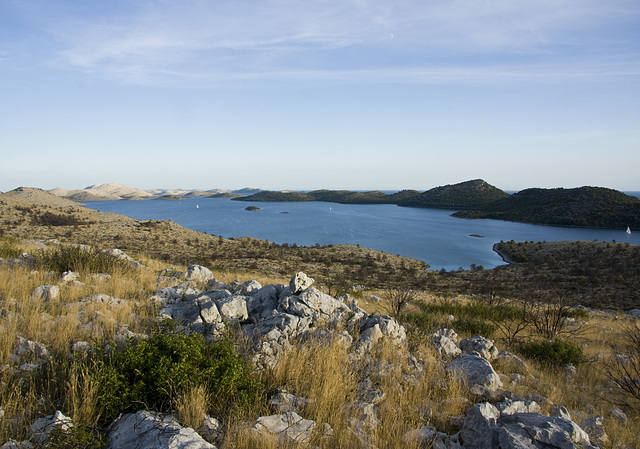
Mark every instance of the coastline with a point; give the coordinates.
(504, 257)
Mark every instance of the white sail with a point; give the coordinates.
(628, 230)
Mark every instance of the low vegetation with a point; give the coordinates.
(160, 366)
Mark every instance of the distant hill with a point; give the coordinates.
(594, 207)
(111, 191)
(465, 195)
(332, 196)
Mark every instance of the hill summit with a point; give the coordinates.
(465, 195)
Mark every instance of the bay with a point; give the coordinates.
(431, 235)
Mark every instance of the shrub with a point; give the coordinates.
(553, 352)
(152, 373)
(72, 258)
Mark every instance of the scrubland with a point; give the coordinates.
(73, 380)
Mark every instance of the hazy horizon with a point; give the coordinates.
(349, 94)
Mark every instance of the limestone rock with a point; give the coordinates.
(248, 288)
(146, 429)
(477, 373)
(594, 428)
(41, 428)
(288, 427)
(618, 415)
(486, 428)
(233, 308)
(198, 273)
(480, 427)
(300, 282)
(444, 341)
(481, 345)
(46, 292)
(285, 402)
(211, 430)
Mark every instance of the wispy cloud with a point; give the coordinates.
(198, 43)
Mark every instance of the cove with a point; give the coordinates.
(431, 235)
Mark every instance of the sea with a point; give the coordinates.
(431, 235)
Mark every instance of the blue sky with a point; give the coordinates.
(343, 94)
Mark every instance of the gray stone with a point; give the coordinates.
(618, 415)
(285, 402)
(561, 411)
(211, 430)
(509, 407)
(594, 428)
(477, 373)
(247, 288)
(545, 431)
(481, 345)
(198, 273)
(263, 300)
(233, 308)
(146, 429)
(287, 427)
(480, 427)
(46, 292)
(40, 429)
(444, 341)
(300, 282)
(634, 312)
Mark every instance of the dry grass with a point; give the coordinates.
(320, 372)
(191, 406)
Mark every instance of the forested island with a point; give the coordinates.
(593, 207)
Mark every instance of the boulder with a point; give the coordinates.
(477, 373)
(286, 427)
(146, 429)
(594, 428)
(40, 429)
(262, 302)
(535, 430)
(233, 308)
(312, 302)
(247, 288)
(285, 402)
(618, 415)
(46, 292)
(299, 282)
(481, 345)
(486, 428)
(444, 341)
(198, 273)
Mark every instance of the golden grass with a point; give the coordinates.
(318, 371)
(191, 406)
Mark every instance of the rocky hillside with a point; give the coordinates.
(593, 207)
(160, 367)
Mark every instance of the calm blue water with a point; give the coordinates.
(431, 235)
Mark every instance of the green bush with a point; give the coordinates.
(76, 437)
(150, 373)
(72, 258)
(557, 352)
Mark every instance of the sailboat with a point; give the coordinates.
(628, 230)
(197, 207)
